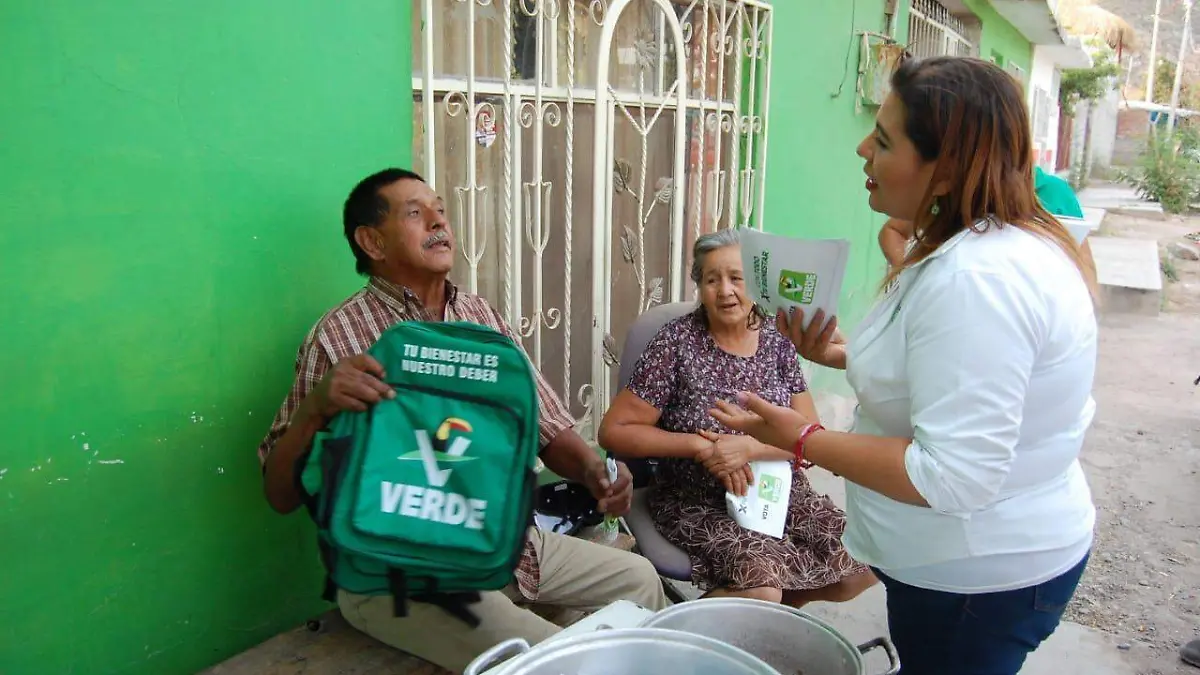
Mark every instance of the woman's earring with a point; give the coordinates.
(935, 209)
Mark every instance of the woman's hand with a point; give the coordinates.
(728, 458)
(771, 424)
(822, 343)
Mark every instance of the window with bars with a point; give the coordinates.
(581, 146)
(934, 31)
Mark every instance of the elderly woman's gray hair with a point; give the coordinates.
(708, 243)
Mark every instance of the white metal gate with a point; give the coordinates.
(582, 145)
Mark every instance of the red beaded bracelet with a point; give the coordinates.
(805, 432)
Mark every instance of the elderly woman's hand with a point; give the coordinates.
(728, 458)
(771, 424)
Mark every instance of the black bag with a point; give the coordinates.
(564, 508)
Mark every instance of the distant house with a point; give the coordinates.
(1048, 63)
(1087, 136)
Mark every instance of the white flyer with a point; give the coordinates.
(804, 273)
(765, 506)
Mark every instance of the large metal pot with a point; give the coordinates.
(628, 651)
(789, 640)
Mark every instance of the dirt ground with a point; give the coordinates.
(1143, 461)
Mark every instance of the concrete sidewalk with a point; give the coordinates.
(1119, 198)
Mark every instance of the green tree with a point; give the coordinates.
(1087, 84)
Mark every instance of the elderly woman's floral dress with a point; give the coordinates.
(683, 373)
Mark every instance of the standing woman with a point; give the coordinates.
(973, 375)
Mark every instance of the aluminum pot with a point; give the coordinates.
(625, 651)
(789, 640)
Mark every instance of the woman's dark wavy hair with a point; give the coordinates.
(969, 117)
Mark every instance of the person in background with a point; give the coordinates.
(720, 348)
(894, 238)
(1054, 193)
(973, 375)
(396, 227)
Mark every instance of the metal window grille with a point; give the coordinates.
(934, 31)
(581, 146)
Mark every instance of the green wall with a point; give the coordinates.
(171, 178)
(815, 182)
(1001, 38)
(814, 178)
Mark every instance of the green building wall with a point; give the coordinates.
(1000, 39)
(815, 181)
(171, 176)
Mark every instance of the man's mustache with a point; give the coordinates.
(436, 237)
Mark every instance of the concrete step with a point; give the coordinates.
(1129, 273)
(1152, 210)
(1120, 199)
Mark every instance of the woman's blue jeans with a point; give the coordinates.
(939, 633)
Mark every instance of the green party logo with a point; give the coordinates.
(770, 488)
(431, 452)
(799, 287)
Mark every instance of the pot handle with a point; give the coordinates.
(502, 651)
(888, 648)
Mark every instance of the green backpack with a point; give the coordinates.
(428, 496)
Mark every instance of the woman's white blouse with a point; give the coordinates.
(984, 354)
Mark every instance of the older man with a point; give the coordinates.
(396, 227)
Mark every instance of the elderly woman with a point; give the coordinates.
(973, 375)
(721, 348)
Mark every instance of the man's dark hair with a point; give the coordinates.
(366, 207)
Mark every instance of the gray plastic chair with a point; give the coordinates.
(670, 561)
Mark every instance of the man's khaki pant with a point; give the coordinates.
(574, 573)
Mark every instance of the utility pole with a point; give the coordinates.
(1153, 53)
(1183, 43)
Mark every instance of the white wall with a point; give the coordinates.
(1043, 83)
(1104, 128)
